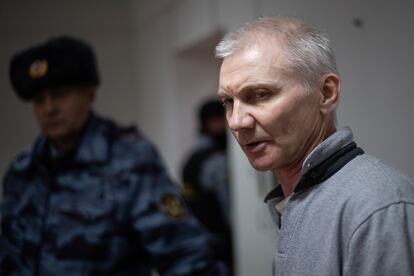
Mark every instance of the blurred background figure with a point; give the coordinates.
(205, 177)
(90, 197)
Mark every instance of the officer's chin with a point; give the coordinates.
(56, 134)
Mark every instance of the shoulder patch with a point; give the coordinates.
(172, 206)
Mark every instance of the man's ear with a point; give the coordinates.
(329, 92)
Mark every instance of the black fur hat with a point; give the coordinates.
(60, 61)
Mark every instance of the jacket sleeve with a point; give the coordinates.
(383, 244)
(9, 261)
(176, 242)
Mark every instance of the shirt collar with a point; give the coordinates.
(329, 146)
(94, 144)
(325, 160)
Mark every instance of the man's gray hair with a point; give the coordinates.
(308, 54)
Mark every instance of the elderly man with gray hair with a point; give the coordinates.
(337, 210)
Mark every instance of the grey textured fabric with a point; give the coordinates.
(360, 221)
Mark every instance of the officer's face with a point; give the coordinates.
(269, 112)
(62, 112)
(216, 125)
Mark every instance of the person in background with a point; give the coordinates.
(337, 210)
(90, 197)
(205, 178)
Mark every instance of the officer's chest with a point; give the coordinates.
(81, 198)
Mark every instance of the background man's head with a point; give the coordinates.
(59, 77)
(212, 121)
(211, 118)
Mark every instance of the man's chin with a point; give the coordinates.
(261, 165)
(55, 135)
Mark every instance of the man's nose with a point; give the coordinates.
(240, 118)
(49, 105)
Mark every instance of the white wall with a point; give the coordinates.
(175, 70)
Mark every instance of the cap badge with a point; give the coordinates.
(38, 68)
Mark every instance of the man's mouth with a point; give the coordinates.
(52, 124)
(254, 147)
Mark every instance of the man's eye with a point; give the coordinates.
(227, 102)
(261, 94)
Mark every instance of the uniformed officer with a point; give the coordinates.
(90, 197)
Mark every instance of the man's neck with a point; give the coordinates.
(289, 176)
(68, 143)
(288, 179)
(65, 145)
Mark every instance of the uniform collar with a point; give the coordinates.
(93, 146)
(324, 161)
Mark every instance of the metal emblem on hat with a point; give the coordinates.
(38, 68)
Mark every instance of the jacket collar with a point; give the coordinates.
(92, 148)
(94, 144)
(328, 147)
(324, 161)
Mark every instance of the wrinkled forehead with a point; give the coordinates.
(64, 92)
(263, 59)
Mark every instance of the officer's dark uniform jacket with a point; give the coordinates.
(108, 208)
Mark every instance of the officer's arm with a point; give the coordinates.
(8, 252)
(178, 245)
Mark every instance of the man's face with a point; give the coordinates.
(62, 112)
(271, 115)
